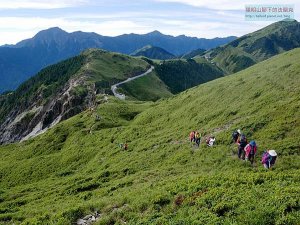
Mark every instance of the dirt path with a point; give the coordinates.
(115, 86)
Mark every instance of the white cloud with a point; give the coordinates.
(39, 4)
(24, 27)
(227, 4)
(207, 29)
(12, 37)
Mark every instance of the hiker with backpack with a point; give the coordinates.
(235, 135)
(269, 158)
(242, 142)
(197, 138)
(192, 136)
(210, 141)
(250, 151)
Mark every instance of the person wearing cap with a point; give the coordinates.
(250, 151)
(235, 135)
(269, 158)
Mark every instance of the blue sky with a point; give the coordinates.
(21, 19)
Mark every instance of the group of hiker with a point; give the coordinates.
(195, 137)
(247, 150)
(123, 145)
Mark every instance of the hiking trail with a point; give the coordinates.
(115, 86)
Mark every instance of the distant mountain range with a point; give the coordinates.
(23, 60)
(153, 52)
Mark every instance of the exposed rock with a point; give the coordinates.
(81, 222)
(89, 219)
(24, 123)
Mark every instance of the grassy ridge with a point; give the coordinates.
(77, 167)
(107, 68)
(257, 46)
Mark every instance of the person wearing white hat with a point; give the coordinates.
(235, 135)
(269, 158)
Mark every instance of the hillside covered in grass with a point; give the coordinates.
(257, 46)
(77, 167)
(147, 88)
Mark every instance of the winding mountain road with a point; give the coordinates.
(115, 86)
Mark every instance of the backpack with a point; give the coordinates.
(252, 150)
(243, 141)
(273, 160)
(265, 157)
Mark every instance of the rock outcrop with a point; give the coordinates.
(22, 124)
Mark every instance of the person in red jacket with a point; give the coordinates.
(250, 151)
(192, 136)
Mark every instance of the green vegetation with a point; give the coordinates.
(153, 52)
(110, 65)
(147, 88)
(180, 75)
(77, 167)
(257, 46)
(107, 68)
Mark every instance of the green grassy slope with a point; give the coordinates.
(107, 68)
(69, 171)
(147, 88)
(110, 65)
(257, 46)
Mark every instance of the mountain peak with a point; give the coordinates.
(54, 29)
(54, 34)
(51, 31)
(155, 33)
(153, 52)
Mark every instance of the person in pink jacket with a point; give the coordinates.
(192, 136)
(250, 151)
